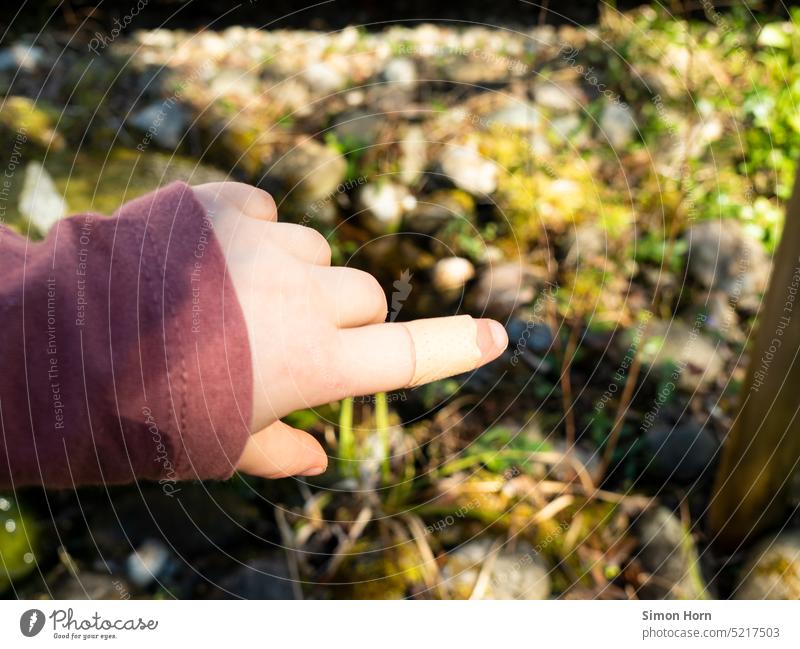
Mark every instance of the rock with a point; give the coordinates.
(517, 115)
(668, 554)
(439, 208)
(164, 122)
(679, 454)
(678, 352)
(18, 543)
(503, 288)
(532, 335)
(91, 586)
(148, 563)
(358, 128)
(617, 125)
(721, 316)
(773, 572)
(559, 98)
(246, 85)
(413, 155)
(400, 72)
(722, 256)
(306, 173)
(382, 206)
(565, 128)
(40, 201)
(473, 71)
(323, 79)
(20, 57)
(265, 578)
(451, 274)
(469, 170)
(515, 574)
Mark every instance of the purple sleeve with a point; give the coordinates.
(124, 349)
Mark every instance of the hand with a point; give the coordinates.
(317, 333)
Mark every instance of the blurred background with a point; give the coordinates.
(609, 180)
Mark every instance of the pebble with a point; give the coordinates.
(668, 554)
(773, 571)
(40, 201)
(451, 274)
(148, 563)
(469, 170)
(515, 574)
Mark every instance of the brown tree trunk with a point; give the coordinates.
(762, 450)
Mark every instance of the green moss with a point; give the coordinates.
(18, 543)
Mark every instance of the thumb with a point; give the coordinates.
(279, 451)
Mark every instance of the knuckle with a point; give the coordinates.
(319, 244)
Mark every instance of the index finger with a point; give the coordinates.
(391, 356)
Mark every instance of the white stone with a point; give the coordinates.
(40, 201)
(468, 170)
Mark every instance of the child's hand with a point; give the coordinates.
(317, 333)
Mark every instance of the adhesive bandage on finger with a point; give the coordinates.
(443, 347)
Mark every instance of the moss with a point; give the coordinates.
(99, 183)
(18, 543)
(23, 119)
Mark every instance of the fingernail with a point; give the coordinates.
(499, 335)
(314, 470)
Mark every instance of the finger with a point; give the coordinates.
(250, 201)
(279, 451)
(356, 297)
(390, 356)
(304, 243)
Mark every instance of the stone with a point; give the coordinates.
(667, 553)
(678, 352)
(559, 98)
(518, 115)
(451, 274)
(435, 210)
(164, 122)
(20, 57)
(503, 288)
(382, 206)
(400, 72)
(40, 201)
(565, 129)
(323, 79)
(517, 573)
(307, 172)
(358, 128)
(773, 572)
(617, 125)
(148, 563)
(467, 169)
(722, 256)
(262, 578)
(413, 154)
(679, 454)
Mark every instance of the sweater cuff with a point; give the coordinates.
(199, 395)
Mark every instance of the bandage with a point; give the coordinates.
(443, 347)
